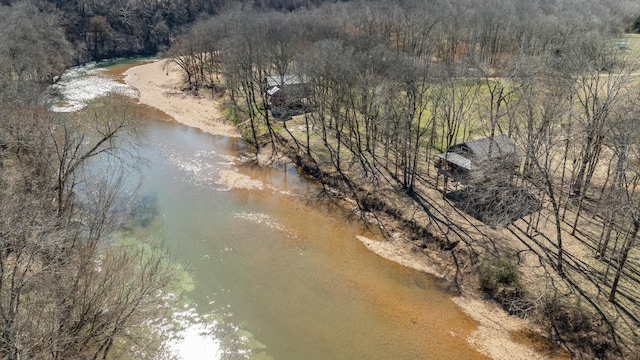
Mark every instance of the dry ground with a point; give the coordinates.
(159, 85)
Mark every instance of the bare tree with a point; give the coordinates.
(413, 98)
(32, 44)
(600, 87)
(543, 155)
(68, 288)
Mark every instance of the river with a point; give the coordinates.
(285, 265)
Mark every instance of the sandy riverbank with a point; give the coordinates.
(158, 84)
(159, 87)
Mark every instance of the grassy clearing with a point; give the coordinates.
(633, 48)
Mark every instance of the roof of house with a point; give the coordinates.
(465, 154)
(273, 90)
(457, 159)
(488, 148)
(287, 79)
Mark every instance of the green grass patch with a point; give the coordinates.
(633, 47)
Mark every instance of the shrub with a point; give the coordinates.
(566, 316)
(499, 278)
(570, 321)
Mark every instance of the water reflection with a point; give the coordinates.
(194, 337)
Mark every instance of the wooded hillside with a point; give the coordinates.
(71, 285)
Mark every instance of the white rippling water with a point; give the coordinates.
(82, 84)
(197, 170)
(195, 340)
(260, 218)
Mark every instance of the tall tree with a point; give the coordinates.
(540, 136)
(600, 87)
(64, 292)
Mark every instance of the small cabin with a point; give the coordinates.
(285, 80)
(283, 88)
(460, 159)
(285, 95)
(622, 44)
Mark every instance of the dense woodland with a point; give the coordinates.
(386, 86)
(106, 29)
(71, 285)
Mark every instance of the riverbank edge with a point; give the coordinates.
(159, 86)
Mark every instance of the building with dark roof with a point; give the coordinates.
(460, 159)
(285, 94)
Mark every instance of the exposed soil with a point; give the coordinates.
(159, 85)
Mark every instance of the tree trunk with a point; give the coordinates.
(625, 252)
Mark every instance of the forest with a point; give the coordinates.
(365, 96)
(73, 284)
